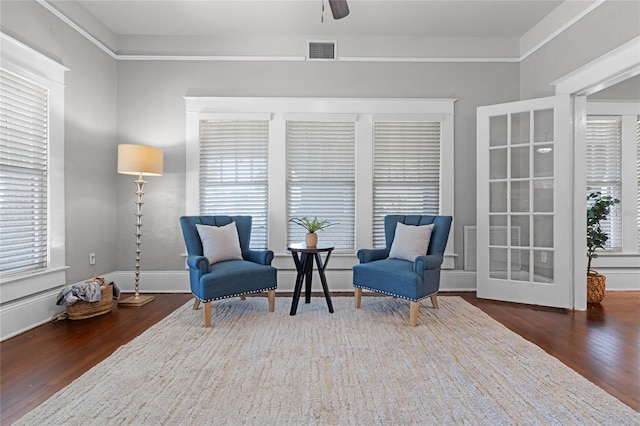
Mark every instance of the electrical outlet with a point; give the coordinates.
(92, 258)
(543, 257)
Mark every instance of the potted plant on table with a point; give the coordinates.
(598, 209)
(312, 226)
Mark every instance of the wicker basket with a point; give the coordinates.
(595, 287)
(83, 310)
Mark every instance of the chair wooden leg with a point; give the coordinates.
(434, 301)
(271, 295)
(413, 313)
(196, 304)
(358, 296)
(243, 297)
(207, 314)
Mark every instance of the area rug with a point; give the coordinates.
(352, 367)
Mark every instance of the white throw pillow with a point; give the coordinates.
(220, 243)
(410, 241)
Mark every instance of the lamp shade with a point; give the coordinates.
(139, 160)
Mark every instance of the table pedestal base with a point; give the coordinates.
(304, 266)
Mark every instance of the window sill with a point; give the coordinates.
(616, 260)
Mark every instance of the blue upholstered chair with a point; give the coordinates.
(231, 278)
(415, 280)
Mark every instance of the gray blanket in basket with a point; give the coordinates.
(89, 291)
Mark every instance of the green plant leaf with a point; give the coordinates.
(312, 225)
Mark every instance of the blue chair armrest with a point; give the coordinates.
(199, 263)
(431, 261)
(263, 257)
(369, 255)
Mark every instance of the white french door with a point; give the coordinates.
(524, 202)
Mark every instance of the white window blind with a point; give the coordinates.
(233, 172)
(23, 174)
(406, 171)
(321, 179)
(604, 170)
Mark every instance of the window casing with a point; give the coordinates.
(20, 60)
(362, 113)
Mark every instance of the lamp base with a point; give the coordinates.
(136, 301)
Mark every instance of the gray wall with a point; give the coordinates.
(90, 133)
(151, 110)
(110, 102)
(608, 26)
(627, 90)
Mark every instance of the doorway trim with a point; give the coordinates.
(609, 69)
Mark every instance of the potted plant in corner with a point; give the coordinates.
(312, 226)
(598, 209)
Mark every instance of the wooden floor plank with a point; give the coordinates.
(602, 344)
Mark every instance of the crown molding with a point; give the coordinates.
(542, 33)
(616, 66)
(64, 18)
(552, 25)
(424, 59)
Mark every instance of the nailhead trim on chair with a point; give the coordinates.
(234, 295)
(394, 295)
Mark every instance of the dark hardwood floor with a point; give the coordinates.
(602, 344)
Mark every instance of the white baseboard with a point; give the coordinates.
(621, 279)
(25, 314)
(18, 316)
(337, 280)
(32, 311)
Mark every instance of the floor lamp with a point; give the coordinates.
(139, 160)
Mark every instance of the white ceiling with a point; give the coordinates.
(401, 18)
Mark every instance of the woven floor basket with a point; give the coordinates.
(82, 310)
(595, 287)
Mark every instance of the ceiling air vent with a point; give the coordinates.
(322, 51)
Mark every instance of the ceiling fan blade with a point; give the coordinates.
(339, 8)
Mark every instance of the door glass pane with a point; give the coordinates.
(498, 130)
(520, 196)
(543, 195)
(498, 197)
(543, 266)
(543, 125)
(520, 124)
(543, 160)
(498, 230)
(543, 231)
(520, 162)
(520, 230)
(520, 268)
(498, 164)
(498, 263)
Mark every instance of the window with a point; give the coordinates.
(321, 178)
(23, 174)
(233, 172)
(32, 232)
(317, 157)
(613, 167)
(406, 171)
(604, 170)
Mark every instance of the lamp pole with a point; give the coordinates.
(139, 160)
